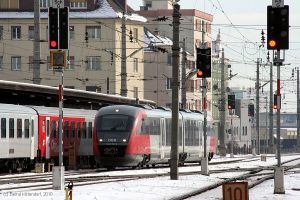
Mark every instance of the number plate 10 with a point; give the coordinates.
(235, 191)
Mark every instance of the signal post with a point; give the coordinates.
(278, 39)
(204, 71)
(58, 23)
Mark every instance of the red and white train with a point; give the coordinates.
(136, 136)
(30, 133)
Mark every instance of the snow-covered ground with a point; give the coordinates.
(163, 187)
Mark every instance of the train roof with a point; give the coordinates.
(157, 112)
(17, 109)
(42, 110)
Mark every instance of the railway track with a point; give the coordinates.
(44, 181)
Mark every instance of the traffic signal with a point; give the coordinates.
(231, 101)
(53, 28)
(64, 28)
(251, 110)
(278, 27)
(203, 63)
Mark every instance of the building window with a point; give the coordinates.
(1, 62)
(1, 32)
(30, 63)
(169, 84)
(135, 92)
(78, 4)
(16, 32)
(16, 63)
(135, 35)
(30, 32)
(135, 65)
(72, 32)
(93, 88)
(44, 3)
(71, 63)
(94, 32)
(93, 63)
(169, 59)
(9, 4)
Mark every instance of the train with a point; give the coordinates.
(138, 136)
(118, 135)
(29, 134)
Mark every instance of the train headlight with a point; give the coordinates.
(100, 140)
(124, 140)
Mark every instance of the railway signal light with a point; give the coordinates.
(251, 110)
(64, 28)
(58, 29)
(231, 101)
(278, 27)
(53, 28)
(203, 63)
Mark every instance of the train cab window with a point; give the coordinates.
(72, 129)
(78, 130)
(11, 128)
(19, 128)
(112, 123)
(66, 129)
(53, 129)
(3, 127)
(90, 133)
(26, 128)
(84, 130)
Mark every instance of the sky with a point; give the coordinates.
(240, 23)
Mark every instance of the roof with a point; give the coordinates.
(153, 40)
(183, 12)
(105, 11)
(47, 90)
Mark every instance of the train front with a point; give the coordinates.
(114, 127)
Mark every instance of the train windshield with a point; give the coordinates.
(114, 123)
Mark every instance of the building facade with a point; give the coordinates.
(94, 57)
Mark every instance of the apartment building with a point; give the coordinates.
(94, 57)
(194, 26)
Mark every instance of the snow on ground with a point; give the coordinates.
(163, 187)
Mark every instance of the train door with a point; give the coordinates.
(47, 137)
(162, 138)
(31, 135)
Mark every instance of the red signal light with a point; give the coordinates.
(275, 106)
(272, 43)
(199, 73)
(229, 106)
(53, 44)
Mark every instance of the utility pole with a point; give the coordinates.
(222, 148)
(36, 44)
(271, 146)
(123, 55)
(266, 134)
(298, 111)
(257, 107)
(183, 76)
(175, 91)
